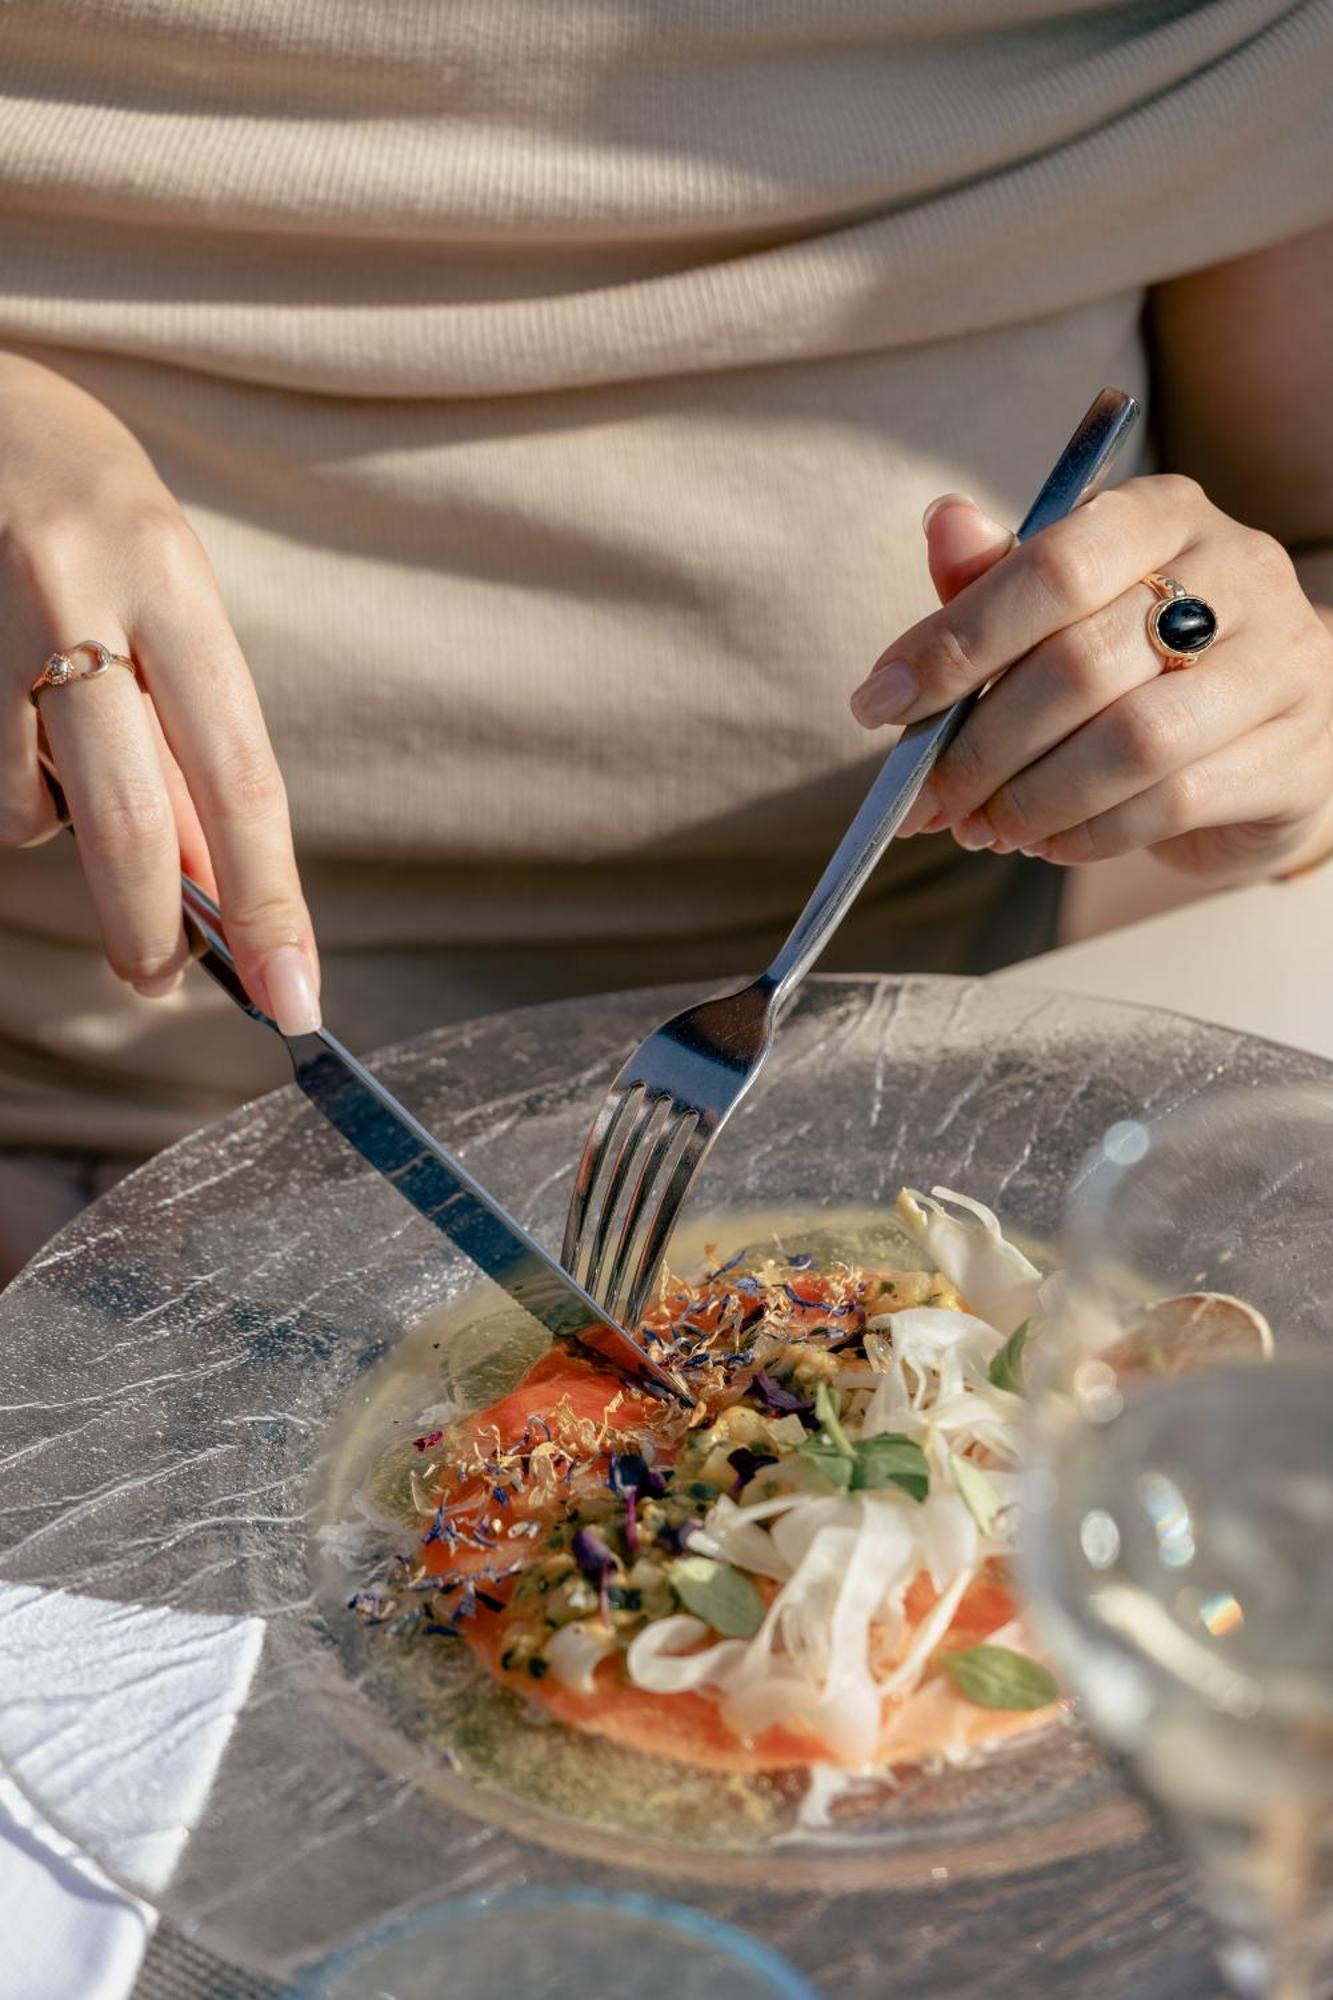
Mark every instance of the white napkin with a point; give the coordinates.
(67, 1930)
(115, 1717)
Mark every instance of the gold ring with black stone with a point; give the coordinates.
(1181, 626)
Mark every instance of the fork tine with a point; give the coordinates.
(681, 1120)
(668, 1208)
(612, 1113)
(613, 1172)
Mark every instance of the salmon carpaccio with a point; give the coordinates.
(560, 1518)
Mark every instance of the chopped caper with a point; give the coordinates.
(572, 1598)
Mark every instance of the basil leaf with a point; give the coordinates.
(830, 1450)
(891, 1460)
(826, 1416)
(835, 1466)
(1006, 1369)
(994, 1677)
(977, 1493)
(722, 1596)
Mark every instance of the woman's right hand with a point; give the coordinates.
(176, 773)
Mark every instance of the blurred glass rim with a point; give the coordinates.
(1113, 1165)
(436, 1922)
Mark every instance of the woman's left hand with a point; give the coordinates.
(1084, 748)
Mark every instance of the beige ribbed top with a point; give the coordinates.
(556, 385)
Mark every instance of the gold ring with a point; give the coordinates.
(59, 668)
(1181, 626)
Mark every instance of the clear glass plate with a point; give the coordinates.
(180, 1368)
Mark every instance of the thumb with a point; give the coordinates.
(962, 543)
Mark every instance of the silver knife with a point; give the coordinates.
(398, 1146)
(438, 1186)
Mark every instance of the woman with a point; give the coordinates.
(537, 406)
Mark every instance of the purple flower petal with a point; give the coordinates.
(592, 1554)
(779, 1398)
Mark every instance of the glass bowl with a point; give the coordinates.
(550, 1944)
(178, 1369)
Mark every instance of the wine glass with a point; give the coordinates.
(1178, 1501)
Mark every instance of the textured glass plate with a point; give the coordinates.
(178, 1371)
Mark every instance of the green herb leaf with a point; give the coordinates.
(826, 1416)
(1006, 1369)
(978, 1495)
(995, 1677)
(830, 1451)
(835, 1466)
(892, 1460)
(722, 1596)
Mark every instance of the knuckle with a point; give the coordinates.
(42, 558)
(959, 779)
(1010, 812)
(54, 541)
(130, 822)
(1075, 846)
(1182, 494)
(1269, 560)
(1111, 511)
(243, 783)
(266, 921)
(1088, 661)
(140, 963)
(166, 545)
(1069, 564)
(1183, 802)
(947, 660)
(1148, 736)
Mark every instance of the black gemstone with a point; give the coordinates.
(1186, 624)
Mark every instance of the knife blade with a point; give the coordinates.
(441, 1189)
(388, 1137)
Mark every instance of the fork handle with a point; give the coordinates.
(1077, 473)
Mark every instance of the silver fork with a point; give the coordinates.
(673, 1096)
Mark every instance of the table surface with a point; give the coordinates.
(1259, 960)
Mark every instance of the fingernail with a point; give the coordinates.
(945, 500)
(887, 693)
(974, 832)
(1037, 853)
(290, 985)
(936, 823)
(158, 989)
